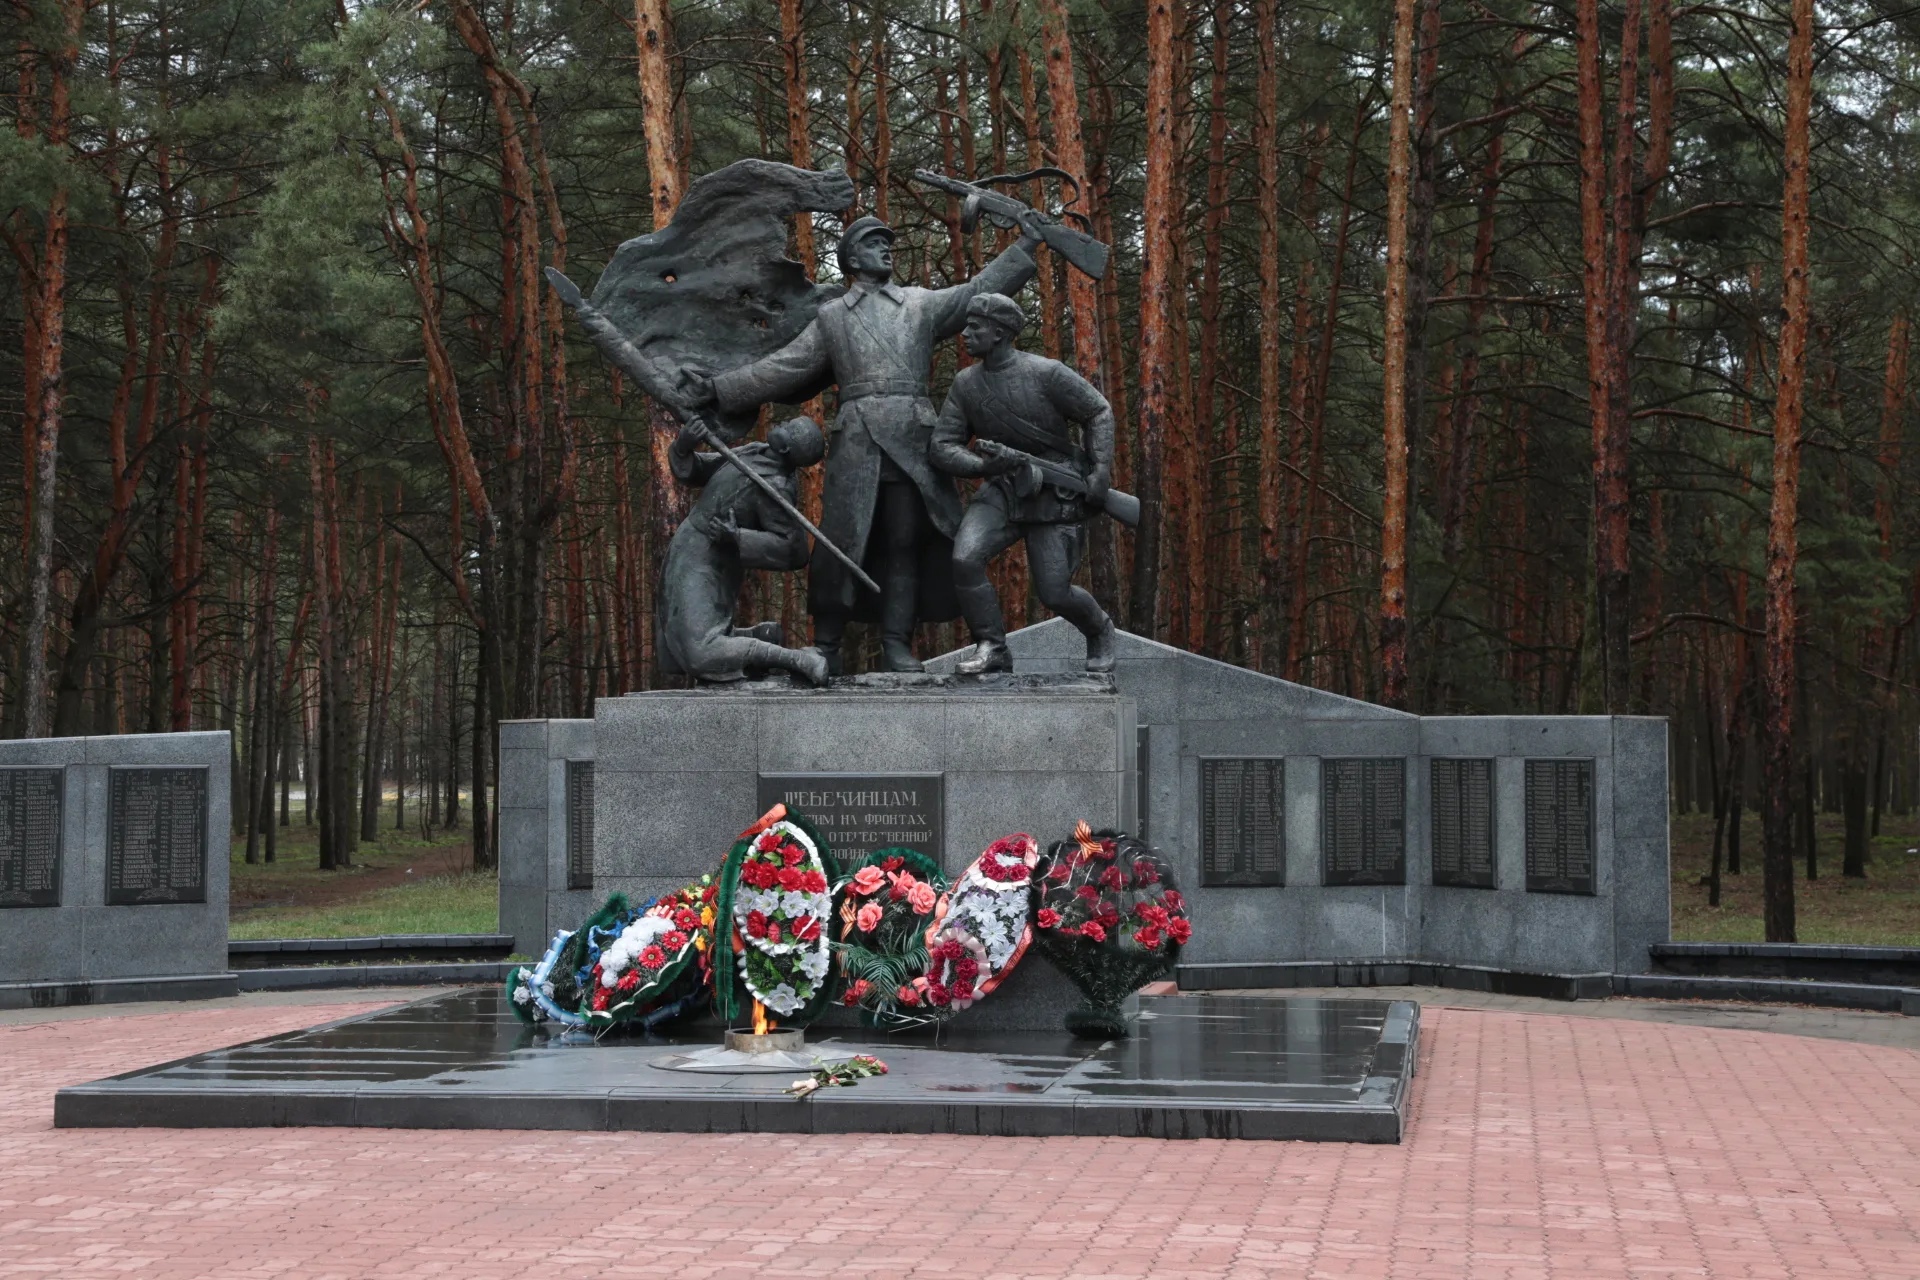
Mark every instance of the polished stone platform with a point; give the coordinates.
(1197, 1067)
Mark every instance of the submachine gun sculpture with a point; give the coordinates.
(978, 200)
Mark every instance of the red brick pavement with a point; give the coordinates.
(1540, 1145)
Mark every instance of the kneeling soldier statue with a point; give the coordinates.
(734, 527)
(1040, 485)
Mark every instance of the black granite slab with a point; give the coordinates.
(1197, 1066)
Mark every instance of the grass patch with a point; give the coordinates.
(400, 883)
(464, 903)
(1882, 910)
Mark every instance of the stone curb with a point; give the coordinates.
(57, 995)
(266, 953)
(318, 977)
(1828, 995)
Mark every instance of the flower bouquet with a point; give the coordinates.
(980, 929)
(775, 908)
(652, 965)
(850, 1072)
(1109, 917)
(884, 909)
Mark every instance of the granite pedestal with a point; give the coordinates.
(1197, 1067)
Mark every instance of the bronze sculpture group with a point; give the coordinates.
(895, 545)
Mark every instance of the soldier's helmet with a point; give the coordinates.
(857, 231)
(1000, 309)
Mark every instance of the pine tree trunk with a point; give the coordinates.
(1160, 216)
(1393, 521)
(1781, 675)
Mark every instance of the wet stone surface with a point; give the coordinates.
(1196, 1066)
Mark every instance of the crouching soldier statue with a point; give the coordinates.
(1012, 398)
(734, 527)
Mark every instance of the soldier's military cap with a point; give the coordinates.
(1000, 309)
(858, 230)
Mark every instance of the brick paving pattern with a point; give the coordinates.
(1540, 1145)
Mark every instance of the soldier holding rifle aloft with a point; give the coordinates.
(882, 503)
(1041, 484)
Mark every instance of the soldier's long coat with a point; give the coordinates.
(877, 345)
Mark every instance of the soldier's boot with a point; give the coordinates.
(980, 606)
(896, 624)
(827, 631)
(1100, 647)
(1084, 612)
(809, 664)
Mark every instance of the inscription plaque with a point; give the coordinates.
(1243, 821)
(30, 823)
(579, 824)
(1363, 820)
(156, 836)
(1560, 826)
(1462, 792)
(861, 812)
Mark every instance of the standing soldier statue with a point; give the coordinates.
(1041, 484)
(883, 503)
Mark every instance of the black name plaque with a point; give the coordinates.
(1560, 826)
(861, 812)
(1243, 821)
(156, 836)
(30, 827)
(1363, 820)
(579, 824)
(1462, 792)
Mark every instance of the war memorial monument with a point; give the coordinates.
(966, 863)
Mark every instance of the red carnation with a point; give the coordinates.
(1179, 931)
(674, 941)
(967, 967)
(768, 840)
(1151, 914)
(893, 863)
(792, 854)
(1048, 917)
(1088, 892)
(963, 990)
(756, 924)
(1058, 872)
(1145, 873)
(907, 995)
(791, 878)
(856, 992)
(1148, 937)
(1109, 915)
(1113, 878)
(814, 882)
(807, 930)
(937, 994)
(773, 931)
(1093, 932)
(1106, 848)
(1173, 900)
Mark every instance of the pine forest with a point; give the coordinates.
(1488, 357)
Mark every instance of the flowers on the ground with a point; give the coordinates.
(780, 910)
(850, 1072)
(639, 960)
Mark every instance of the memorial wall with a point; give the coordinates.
(113, 868)
(1305, 826)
